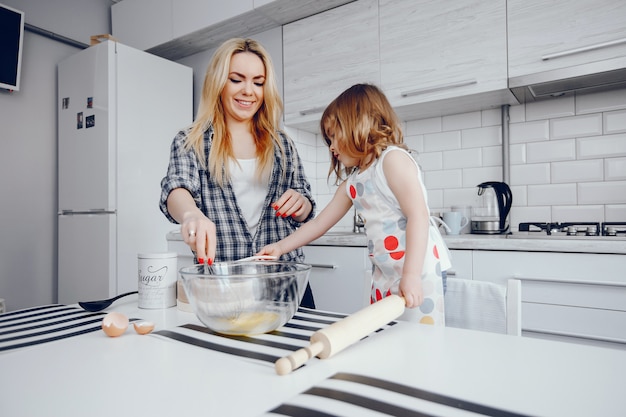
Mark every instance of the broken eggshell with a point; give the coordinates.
(143, 327)
(114, 324)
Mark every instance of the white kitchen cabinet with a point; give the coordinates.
(431, 51)
(325, 54)
(430, 58)
(566, 296)
(174, 29)
(340, 278)
(169, 28)
(462, 261)
(587, 35)
(142, 24)
(189, 16)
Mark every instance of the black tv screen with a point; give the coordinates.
(11, 36)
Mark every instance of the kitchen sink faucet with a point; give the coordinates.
(358, 224)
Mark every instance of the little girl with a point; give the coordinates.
(384, 185)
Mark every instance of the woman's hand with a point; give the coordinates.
(199, 233)
(293, 204)
(411, 289)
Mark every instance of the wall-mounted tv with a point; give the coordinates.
(11, 37)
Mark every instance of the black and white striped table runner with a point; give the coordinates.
(347, 394)
(263, 348)
(43, 324)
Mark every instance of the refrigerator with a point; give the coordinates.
(119, 109)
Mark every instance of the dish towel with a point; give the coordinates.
(476, 305)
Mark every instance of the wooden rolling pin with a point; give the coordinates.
(325, 342)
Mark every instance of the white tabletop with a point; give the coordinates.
(95, 375)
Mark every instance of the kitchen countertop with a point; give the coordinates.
(92, 374)
(532, 243)
(519, 241)
(515, 242)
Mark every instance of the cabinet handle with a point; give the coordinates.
(325, 266)
(571, 281)
(450, 273)
(583, 49)
(312, 110)
(439, 87)
(575, 335)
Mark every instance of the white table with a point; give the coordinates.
(94, 375)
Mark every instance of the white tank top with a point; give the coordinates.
(249, 191)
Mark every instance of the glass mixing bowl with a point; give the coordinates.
(245, 297)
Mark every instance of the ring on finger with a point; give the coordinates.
(192, 233)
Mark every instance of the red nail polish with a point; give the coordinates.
(277, 214)
(285, 215)
(293, 215)
(276, 207)
(201, 260)
(209, 261)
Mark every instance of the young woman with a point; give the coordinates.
(235, 182)
(384, 185)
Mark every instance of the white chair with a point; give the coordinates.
(482, 305)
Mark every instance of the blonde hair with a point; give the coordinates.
(211, 113)
(364, 124)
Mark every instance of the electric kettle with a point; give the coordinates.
(490, 215)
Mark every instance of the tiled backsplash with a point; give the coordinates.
(567, 158)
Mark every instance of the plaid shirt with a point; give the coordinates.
(234, 240)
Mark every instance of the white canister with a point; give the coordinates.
(157, 276)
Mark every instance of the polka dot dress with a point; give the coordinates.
(385, 227)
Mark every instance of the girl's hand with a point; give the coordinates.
(271, 250)
(411, 289)
(199, 233)
(292, 204)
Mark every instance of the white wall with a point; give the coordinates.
(74, 19)
(28, 149)
(567, 155)
(576, 169)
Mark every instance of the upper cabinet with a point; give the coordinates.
(325, 54)
(432, 50)
(566, 40)
(431, 58)
(563, 33)
(142, 24)
(174, 29)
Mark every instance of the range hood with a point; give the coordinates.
(581, 79)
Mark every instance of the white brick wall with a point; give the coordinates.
(567, 156)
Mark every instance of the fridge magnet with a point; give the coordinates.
(90, 121)
(79, 120)
(89, 102)
(65, 103)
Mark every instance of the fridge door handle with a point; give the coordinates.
(91, 211)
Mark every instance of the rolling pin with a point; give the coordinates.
(325, 342)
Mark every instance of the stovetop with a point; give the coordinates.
(588, 230)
